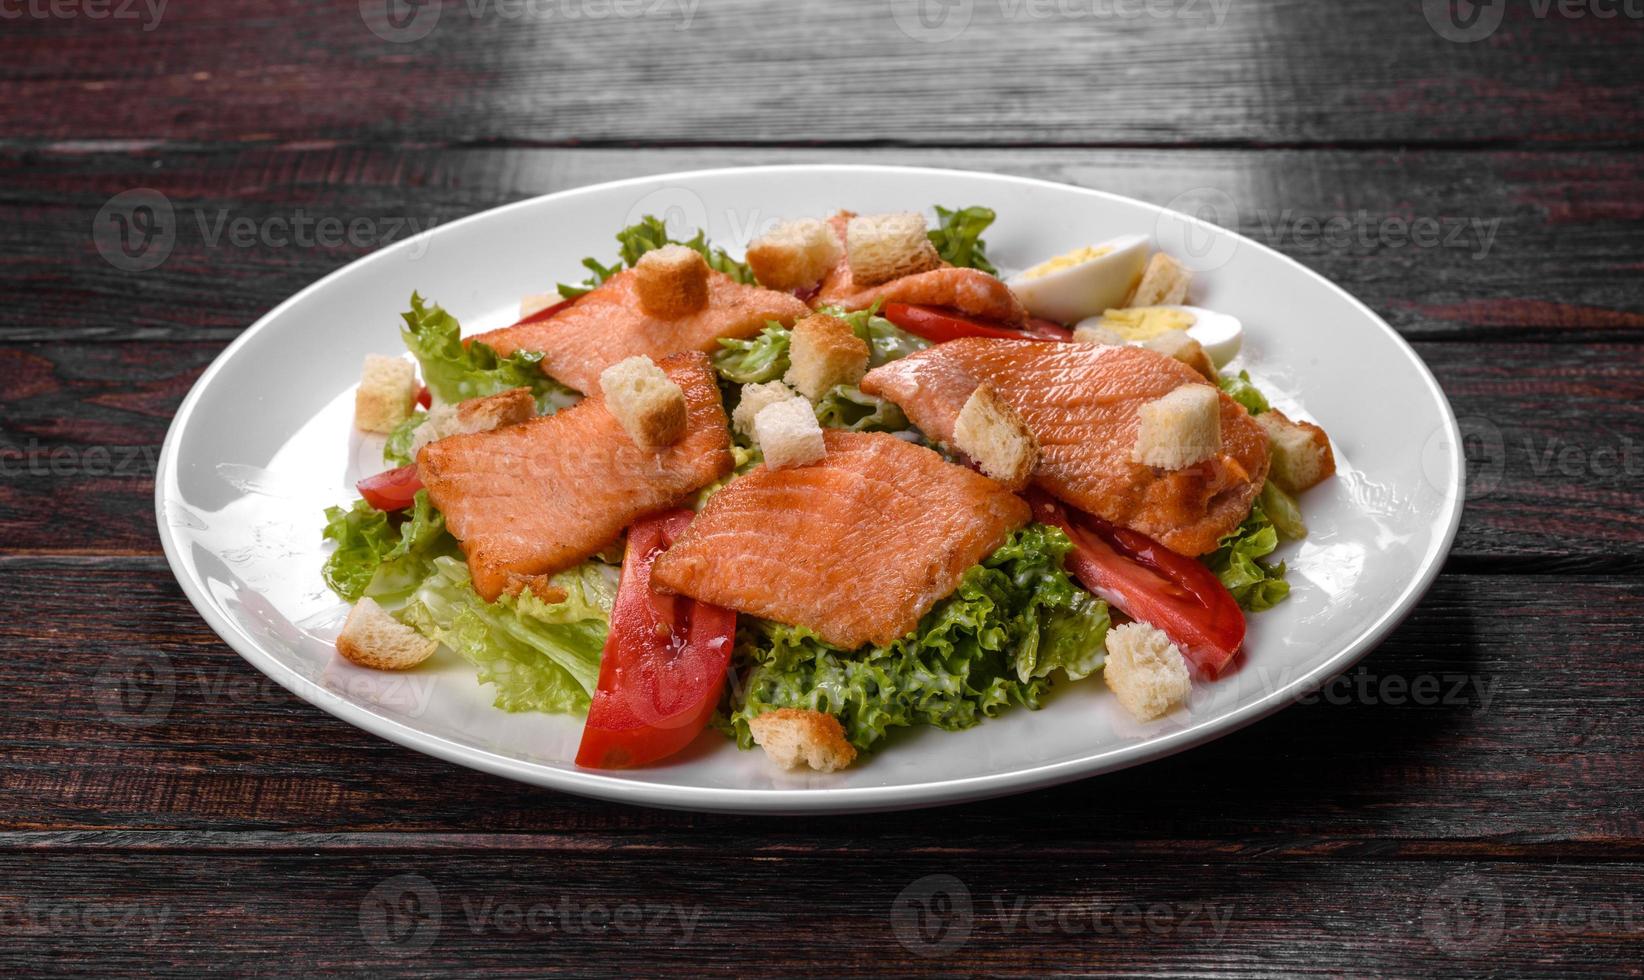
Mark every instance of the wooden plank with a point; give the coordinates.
(1555, 444)
(1530, 246)
(1088, 72)
(1499, 754)
(627, 915)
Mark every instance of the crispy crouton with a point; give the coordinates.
(1177, 344)
(794, 255)
(882, 247)
(824, 351)
(1095, 334)
(388, 389)
(1180, 429)
(536, 303)
(650, 406)
(372, 638)
(474, 415)
(1302, 458)
(788, 434)
(1145, 670)
(754, 399)
(794, 738)
(990, 432)
(1163, 284)
(672, 281)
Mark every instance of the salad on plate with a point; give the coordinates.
(853, 482)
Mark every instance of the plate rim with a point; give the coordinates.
(820, 799)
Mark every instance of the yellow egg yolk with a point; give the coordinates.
(1146, 322)
(1076, 257)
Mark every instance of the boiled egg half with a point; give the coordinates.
(1083, 282)
(1219, 334)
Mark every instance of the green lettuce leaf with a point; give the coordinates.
(1013, 620)
(397, 450)
(1283, 511)
(454, 371)
(540, 656)
(765, 357)
(652, 233)
(958, 237)
(847, 407)
(1255, 584)
(377, 559)
(1239, 388)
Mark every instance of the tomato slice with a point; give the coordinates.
(393, 490)
(1150, 583)
(425, 398)
(664, 663)
(940, 325)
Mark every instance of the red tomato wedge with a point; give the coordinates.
(393, 490)
(939, 325)
(1150, 583)
(425, 398)
(664, 663)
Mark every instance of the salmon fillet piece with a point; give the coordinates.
(857, 547)
(1081, 401)
(607, 325)
(528, 500)
(967, 290)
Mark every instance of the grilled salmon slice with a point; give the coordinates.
(1081, 401)
(607, 325)
(967, 290)
(532, 499)
(856, 547)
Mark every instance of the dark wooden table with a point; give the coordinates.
(1466, 800)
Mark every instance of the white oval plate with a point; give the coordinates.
(264, 443)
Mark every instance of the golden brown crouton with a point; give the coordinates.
(794, 738)
(374, 639)
(754, 399)
(672, 281)
(794, 255)
(882, 247)
(1177, 344)
(1163, 284)
(387, 391)
(650, 406)
(824, 351)
(1145, 670)
(788, 434)
(990, 432)
(475, 415)
(1179, 429)
(1302, 458)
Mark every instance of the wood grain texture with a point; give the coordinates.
(1532, 246)
(83, 422)
(1091, 72)
(161, 727)
(598, 914)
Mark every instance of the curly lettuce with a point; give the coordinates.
(1239, 388)
(1014, 620)
(958, 237)
(539, 656)
(455, 371)
(1237, 561)
(648, 234)
(380, 556)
